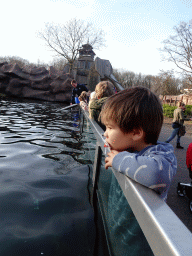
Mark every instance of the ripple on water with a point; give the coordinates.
(44, 202)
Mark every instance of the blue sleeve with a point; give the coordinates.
(155, 170)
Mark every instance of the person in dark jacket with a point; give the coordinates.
(77, 90)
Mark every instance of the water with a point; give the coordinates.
(44, 200)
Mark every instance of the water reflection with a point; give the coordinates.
(44, 200)
(42, 128)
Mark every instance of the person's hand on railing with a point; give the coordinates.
(109, 158)
(84, 105)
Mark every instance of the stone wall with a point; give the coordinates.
(173, 99)
(35, 83)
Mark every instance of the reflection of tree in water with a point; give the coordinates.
(44, 125)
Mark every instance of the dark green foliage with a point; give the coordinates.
(168, 110)
(188, 110)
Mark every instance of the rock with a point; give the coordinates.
(41, 86)
(3, 63)
(2, 76)
(15, 87)
(67, 85)
(35, 70)
(37, 94)
(103, 67)
(66, 97)
(56, 86)
(53, 73)
(35, 82)
(3, 86)
(14, 71)
(59, 86)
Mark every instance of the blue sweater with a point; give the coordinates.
(153, 167)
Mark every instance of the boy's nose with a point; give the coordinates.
(105, 134)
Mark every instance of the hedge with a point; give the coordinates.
(168, 110)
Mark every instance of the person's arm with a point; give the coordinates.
(83, 105)
(181, 116)
(154, 171)
(73, 97)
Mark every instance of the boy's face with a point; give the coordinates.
(116, 139)
(74, 85)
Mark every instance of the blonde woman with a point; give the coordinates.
(103, 90)
(178, 121)
(83, 100)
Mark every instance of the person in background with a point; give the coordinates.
(103, 90)
(93, 95)
(77, 90)
(178, 121)
(83, 98)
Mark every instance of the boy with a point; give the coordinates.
(133, 120)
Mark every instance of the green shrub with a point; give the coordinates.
(188, 110)
(168, 110)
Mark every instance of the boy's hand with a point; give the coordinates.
(109, 158)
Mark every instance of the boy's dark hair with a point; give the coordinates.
(135, 108)
(73, 81)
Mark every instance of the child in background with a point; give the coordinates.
(83, 98)
(133, 120)
(103, 90)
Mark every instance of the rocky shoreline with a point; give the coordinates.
(35, 83)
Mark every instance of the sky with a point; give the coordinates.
(134, 29)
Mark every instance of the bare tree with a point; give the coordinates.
(15, 59)
(186, 83)
(178, 48)
(58, 63)
(66, 40)
(168, 84)
(125, 78)
(163, 84)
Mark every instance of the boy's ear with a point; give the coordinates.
(138, 134)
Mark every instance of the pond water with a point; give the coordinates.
(44, 200)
